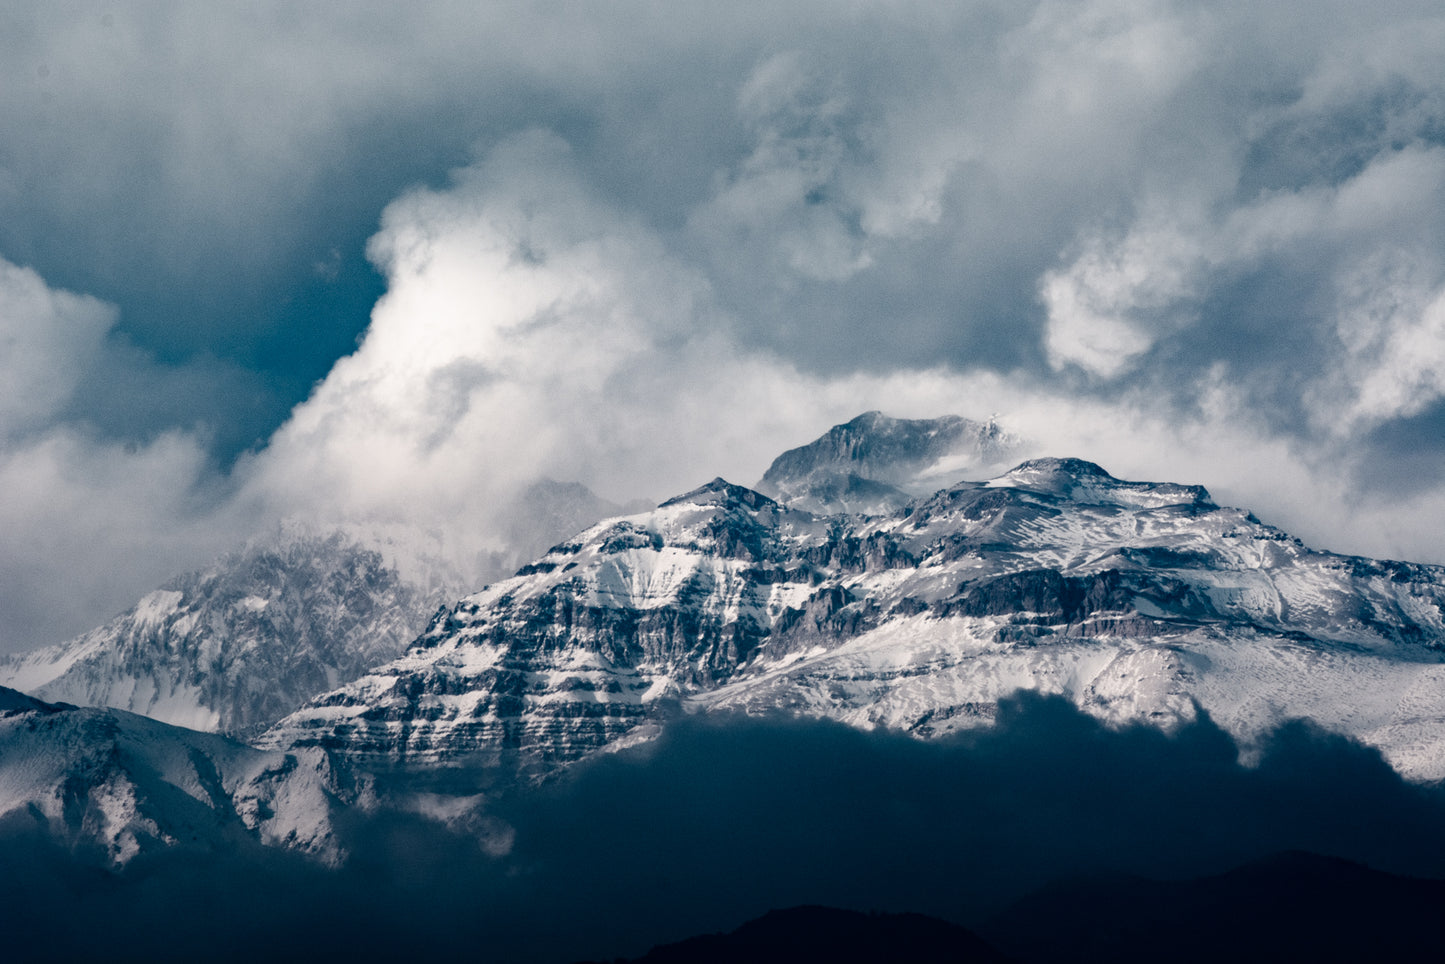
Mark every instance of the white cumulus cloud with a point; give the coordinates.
(47, 340)
(88, 524)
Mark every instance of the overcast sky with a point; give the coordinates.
(380, 263)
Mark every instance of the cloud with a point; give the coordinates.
(789, 199)
(1391, 327)
(530, 330)
(533, 328)
(49, 338)
(516, 305)
(89, 523)
(840, 175)
(1093, 306)
(90, 526)
(1316, 307)
(1192, 242)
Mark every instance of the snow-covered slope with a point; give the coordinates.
(601, 634)
(1138, 600)
(115, 785)
(876, 463)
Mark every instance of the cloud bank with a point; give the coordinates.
(76, 506)
(1193, 242)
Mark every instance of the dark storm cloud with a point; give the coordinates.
(193, 166)
(721, 820)
(1403, 455)
(880, 183)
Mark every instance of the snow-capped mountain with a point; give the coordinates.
(876, 464)
(1137, 600)
(236, 646)
(114, 785)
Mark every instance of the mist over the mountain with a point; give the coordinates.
(391, 266)
(723, 819)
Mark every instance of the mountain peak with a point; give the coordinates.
(1071, 464)
(1084, 481)
(874, 419)
(721, 491)
(880, 442)
(301, 611)
(1071, 467)
(875, 462)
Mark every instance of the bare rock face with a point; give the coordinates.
(600, 636)
(1137, 600)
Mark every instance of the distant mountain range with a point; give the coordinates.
(1290, 906)
(237, 646)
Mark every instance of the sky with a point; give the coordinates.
(386, 266)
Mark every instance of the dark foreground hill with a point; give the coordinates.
(1292, 906)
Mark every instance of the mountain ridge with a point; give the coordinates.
(235, 646)
(1139, 600)
(1135, 601)
(117, 785)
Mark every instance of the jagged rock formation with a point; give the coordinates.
(1137, 600)
(556, 665)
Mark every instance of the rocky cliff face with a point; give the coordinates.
(601, 635)
(1137, 600)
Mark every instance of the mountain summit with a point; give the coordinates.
(876, 463)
